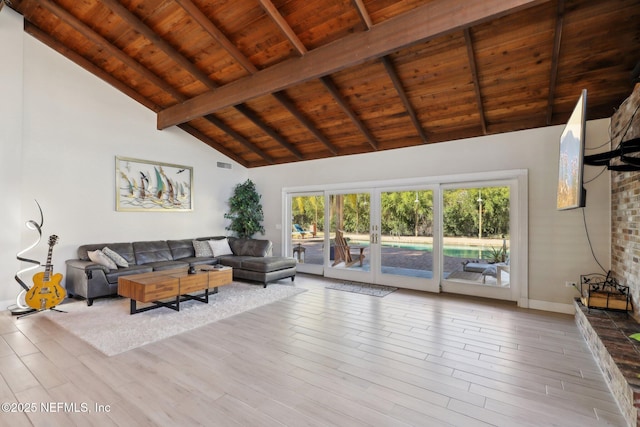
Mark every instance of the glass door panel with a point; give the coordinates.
(307, 231)
(349, 239)
(350, 221)
(476, 240)
(406, 233)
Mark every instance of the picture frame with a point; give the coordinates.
(150, 186)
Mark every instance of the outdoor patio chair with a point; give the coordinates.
(485, 268)
(342, 251)
(297, 229)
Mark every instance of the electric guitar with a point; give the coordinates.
(46, 291)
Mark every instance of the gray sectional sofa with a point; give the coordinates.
(251, 260)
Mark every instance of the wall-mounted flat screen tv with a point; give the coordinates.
(571, 193)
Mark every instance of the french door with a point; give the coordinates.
(423, 235)
(383, 236)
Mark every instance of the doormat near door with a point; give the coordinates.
(363, 288)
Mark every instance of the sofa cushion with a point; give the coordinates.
(112, 276)
(181, 248)
(203, 260)
(234, 261)
(152, 251)
(99, 257)
(167, 265)
(492, 270)
(125, 250)
(202, 248)
(476, 267)
(115, 257)
(267, 264)
(250, 247)
(220, 247)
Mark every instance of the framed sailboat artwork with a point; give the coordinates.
(145, 186)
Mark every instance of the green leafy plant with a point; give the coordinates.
(245, 211)
(497, 254)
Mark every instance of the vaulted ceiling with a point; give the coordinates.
(277, 81)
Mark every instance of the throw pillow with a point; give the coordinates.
(115, 257)
(220, 247)
(99, 257)
(202, 248)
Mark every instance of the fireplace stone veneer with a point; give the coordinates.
(607, 335)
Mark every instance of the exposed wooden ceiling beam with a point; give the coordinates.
(239, 138)
(397, 84)
(393, 74)
(54, 44)
(433, 19)
(327, 81)
(192, 69)
(342, 102)
(301, 49)
(557, 40)
(217, 35)
(164, 46)
(289, 105)
(284, 26)
(109, 48)
(212, 143)
(238, 56)
(362, 11)
(92, 68)
(251, 115)
(474, 76)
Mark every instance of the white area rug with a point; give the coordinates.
(108, 326)
(363, 288)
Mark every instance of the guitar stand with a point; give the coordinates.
(40, 311)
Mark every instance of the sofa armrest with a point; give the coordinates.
(86, 265)
(88, 280)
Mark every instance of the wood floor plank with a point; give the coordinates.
(323, 357)
(45, 411)
(17, 376)
(20, 344)
(98, 413)
(47, 374)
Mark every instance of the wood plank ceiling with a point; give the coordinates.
(277, 81)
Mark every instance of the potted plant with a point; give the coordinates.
(497, 254)
(245, 211)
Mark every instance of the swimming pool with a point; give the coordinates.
(456, 251)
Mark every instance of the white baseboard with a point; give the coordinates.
(555, 307)
(4, 305)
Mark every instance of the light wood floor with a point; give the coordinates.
(320, 358)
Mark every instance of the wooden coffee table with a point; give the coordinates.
(174, 285)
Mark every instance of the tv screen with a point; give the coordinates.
(571, 192)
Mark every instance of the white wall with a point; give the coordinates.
(74, 125)
(558, 249)
(10, 149)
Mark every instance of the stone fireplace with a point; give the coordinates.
(625, 204)
(607, 332)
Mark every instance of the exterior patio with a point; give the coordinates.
(405, 261)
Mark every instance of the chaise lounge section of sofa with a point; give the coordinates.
(251, 259)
